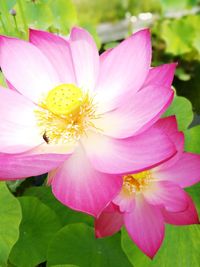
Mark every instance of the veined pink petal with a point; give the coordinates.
(108, 223)
(145, 225)
(161, 76)
(18, 128)
(185, 171)
(178, 140)
(17, 166)
(78, 185)
(57, 50)
(124, 68)
(138, 114)
(170, 127)
(26, 68)
(186, 217)
(168, 124)
(168, 194)
(85, 57)
(128, 155)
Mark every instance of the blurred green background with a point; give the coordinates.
(35, 229)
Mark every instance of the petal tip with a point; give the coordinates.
(146, 32)
(32, 31)
(151, 254)
(172, 66)
(97, 234)
(35, 32)
(77, 30)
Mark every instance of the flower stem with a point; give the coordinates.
(16, 26)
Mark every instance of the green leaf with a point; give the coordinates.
(182, 75)
(194, 21)
(10, 217)
(64, 14)
(182, 35)
(182, 108)
(180, 248)
(192, 140)
(191, 89)
(178, 5)
(38, 14)
(65, 214)
(196, 42)
(177, 35)
(10, 3)
(76, 244)
(193, 191)
(38, 226)
(64, 265)
(5, 18)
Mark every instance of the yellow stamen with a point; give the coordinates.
(65, 114)
(133, 183)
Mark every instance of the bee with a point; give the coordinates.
(45, 137)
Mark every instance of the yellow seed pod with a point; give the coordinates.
(64, 99)
(141, 175)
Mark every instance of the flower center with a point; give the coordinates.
(64, 99)
(65, 114)
(133, 183)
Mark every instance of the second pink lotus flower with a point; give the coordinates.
(151, 198)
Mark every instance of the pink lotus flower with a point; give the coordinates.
(83, 118)
(153, 197)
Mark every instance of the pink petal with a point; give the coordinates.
(78, 185)
(168, 194)
(145, 226)
(18, 129)
(185, 171)
(178, 140)
(105, 54)
(161, 76)
(124, 69)
(138, 114)
(108, 223)
(170, 127)
(10, 86)
(186, 217)
(45, 148)
(31, 163)
(128, 155)
(125, 201)
(85, 57)
(26, 68)
(57, 50)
